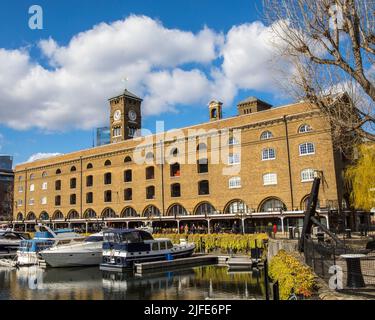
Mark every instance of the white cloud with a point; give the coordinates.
(73, 91)
(40, 156)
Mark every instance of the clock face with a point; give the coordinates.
(117, 115)
(132, 115)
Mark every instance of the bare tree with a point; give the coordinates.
(328, 48)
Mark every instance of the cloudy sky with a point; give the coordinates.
(177, 56)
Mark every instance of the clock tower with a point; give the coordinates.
(125, 117)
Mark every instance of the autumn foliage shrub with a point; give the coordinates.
(292, 275)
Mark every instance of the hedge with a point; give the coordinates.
(220, 242)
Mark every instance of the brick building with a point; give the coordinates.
(6, 188)
(267, 159)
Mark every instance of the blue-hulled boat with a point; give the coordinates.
(124, 247)
(44, 238)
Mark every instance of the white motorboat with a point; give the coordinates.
(45, 237)
(87, 253)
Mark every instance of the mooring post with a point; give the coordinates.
(266, 282)
(275, 291)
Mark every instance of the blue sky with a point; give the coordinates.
(49, 98)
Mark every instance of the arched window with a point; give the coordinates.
(268, 154)
(150, 173)
(90, 166)
(89, 214)
(73, 169)
(306, 148)
(73, 215)
(304, 128)
(58, 215)
(237, 206)
(204, 208)
(175, 170)
(58, 171)
(175, 190)
(129, 212)
(272, 205)
(150, 193)
(31, 216)
(151, 211)
(19, 216)
(177, 210)
(44, 174)
(127, 159)
(266, 135)
(107, 163)
(213, 113)
(203, 187)
(108, 213)
(307, 175)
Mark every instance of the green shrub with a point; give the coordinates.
(292, 275)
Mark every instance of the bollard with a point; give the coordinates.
(266, 281)
(275, 291)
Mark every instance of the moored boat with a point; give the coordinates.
(122, 248)
(45, 237)
(86, 253)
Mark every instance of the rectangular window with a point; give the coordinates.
(73, 199)
(128, 176)
(89, 197)
(32, 187)
(89, 181)
(31, 202)
(268, 154)
(44, 185)
(307, 175)
(117, 132)
(58, 185)
(108, 178)
(20, 189)
(235, 183)
(108, 196)
(306, 149)
(58, 201)
(73, 183)
(234, 159)
(270, 179)
(19, 203)
(202, 166)
(44, 200)
(131, 131)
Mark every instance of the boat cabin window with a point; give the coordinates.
(155, 246)
(131, 237)
(169, 245)
(162, 245)
(145, 235)
(94, 239)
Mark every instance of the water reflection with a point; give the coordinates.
(208, 282)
